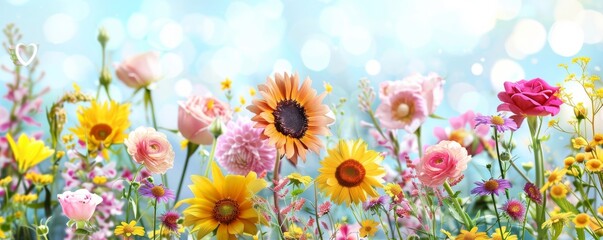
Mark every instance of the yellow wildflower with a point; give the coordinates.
(473, 234)
(226, 84)
(295, 233)
(129, 229)
(580, 157)
(568, 161)
(393, 190)
(328, 87)
(579, 111)
(5, 181)
(554, 177)
(297, 179)
(39, 179)
(579, 142)
(555, 218)
(559, 191)
(28, 152)
(368, 228)
(20, 198)
(581, 220)
(99, 180)
(242, 100)
(501, 233)
(252, 92)
(594, 165)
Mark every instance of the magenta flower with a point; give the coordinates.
(492, 186)
(79, 205)
(515, 209)
(157, 192)
(169, 220)
(374, 203)
(404, 109)
(445, 161)
(464, 131)
(500, 122)
(533, 193)
(241, 149)
(529, 98)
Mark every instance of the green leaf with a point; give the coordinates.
(580, 233)
(453, 213)
(434, 116)
(565, 205)
(81, 231)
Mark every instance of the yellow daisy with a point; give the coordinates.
(102, 124)
(226, 84)
(294, 233)
(350, 172)
(559, 191)
(20, 198)
(28, 152)
(368, 228)
(224, 205)
(39, 179)
(129, 229)
(298, 179)
(501, 233)
(5, 181)
(554, 177)
(393, 190)
(292, 116)
(594, 165)
(579, 142)
(581, 220)
(473, 234)
(555, 218)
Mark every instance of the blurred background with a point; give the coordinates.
(475, 44)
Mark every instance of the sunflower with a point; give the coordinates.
(292, 116)
(223, 205)
(350, 172)
(102, 124)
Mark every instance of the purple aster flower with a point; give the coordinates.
(158, 192)
(169, 220)
(515, 209)
(533, 193)
(374, 203)
(242, 149)
(501, 123)
(492, 186)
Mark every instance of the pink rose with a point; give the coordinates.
(445, 161)
(529, 98)
(79, 205)
(431, 88)
(404, 109)
(151, 149)
(140, 70)
(196, 114)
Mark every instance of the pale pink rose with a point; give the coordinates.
(79, 205)
(140, 71)
(445, 161)
(431, 88)
(402, 110)
(196, 114)
(151, 149)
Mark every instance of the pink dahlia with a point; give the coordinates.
(445, 161)
(404, 109)
(241, 149)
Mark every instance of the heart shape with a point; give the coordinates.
(33, 55)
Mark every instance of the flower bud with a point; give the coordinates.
(216, 127)
(527, 166)
(105, 77)
(136, 185)
(103, 37)
(42, 230)
(505, 156)
(579, 111)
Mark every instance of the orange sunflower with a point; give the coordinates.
(292, 116)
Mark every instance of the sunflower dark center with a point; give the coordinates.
(226, 210)
(350, 173)
(290, 118)
(101, 131)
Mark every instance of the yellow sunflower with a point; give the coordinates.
(28, 152)
(292, 116)
(129, 229)
(224, 204)
(368, 228)
(473, 234)
(350, 172)
(104, 124)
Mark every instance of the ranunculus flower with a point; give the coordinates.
(79, 205)
(403, 110)
(529, 98)
(196, 114)
(151, 149)
(431, 88)
(445, 161)
(140, 71)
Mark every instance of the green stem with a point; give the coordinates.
(277, 169)
(396, 223)
(130, 193)
(190, 150)
(211, 156)
(155, 219)
(500, 164)
(316, 212)
(497, 215)
(457, 207)
(419, 143)
(525, 218)
(149, 97)
(534, 125)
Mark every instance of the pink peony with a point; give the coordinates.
(79, 205)
(529, 98)
(404, 109)
(150, 148)
(140, 70)
(431, 88)
(441, 162)
(241, 149)
(464, 131)
(196, 114)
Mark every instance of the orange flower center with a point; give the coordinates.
(552, 177)
(350, 173)
(582, 219)
(595, 164)
(469, 236)
(101, 131)
(225, 211)
(158, 191)
(459, 136)
(497, 120)
(557, 191)
(128, 229)
(491, 185)
(290, 118)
